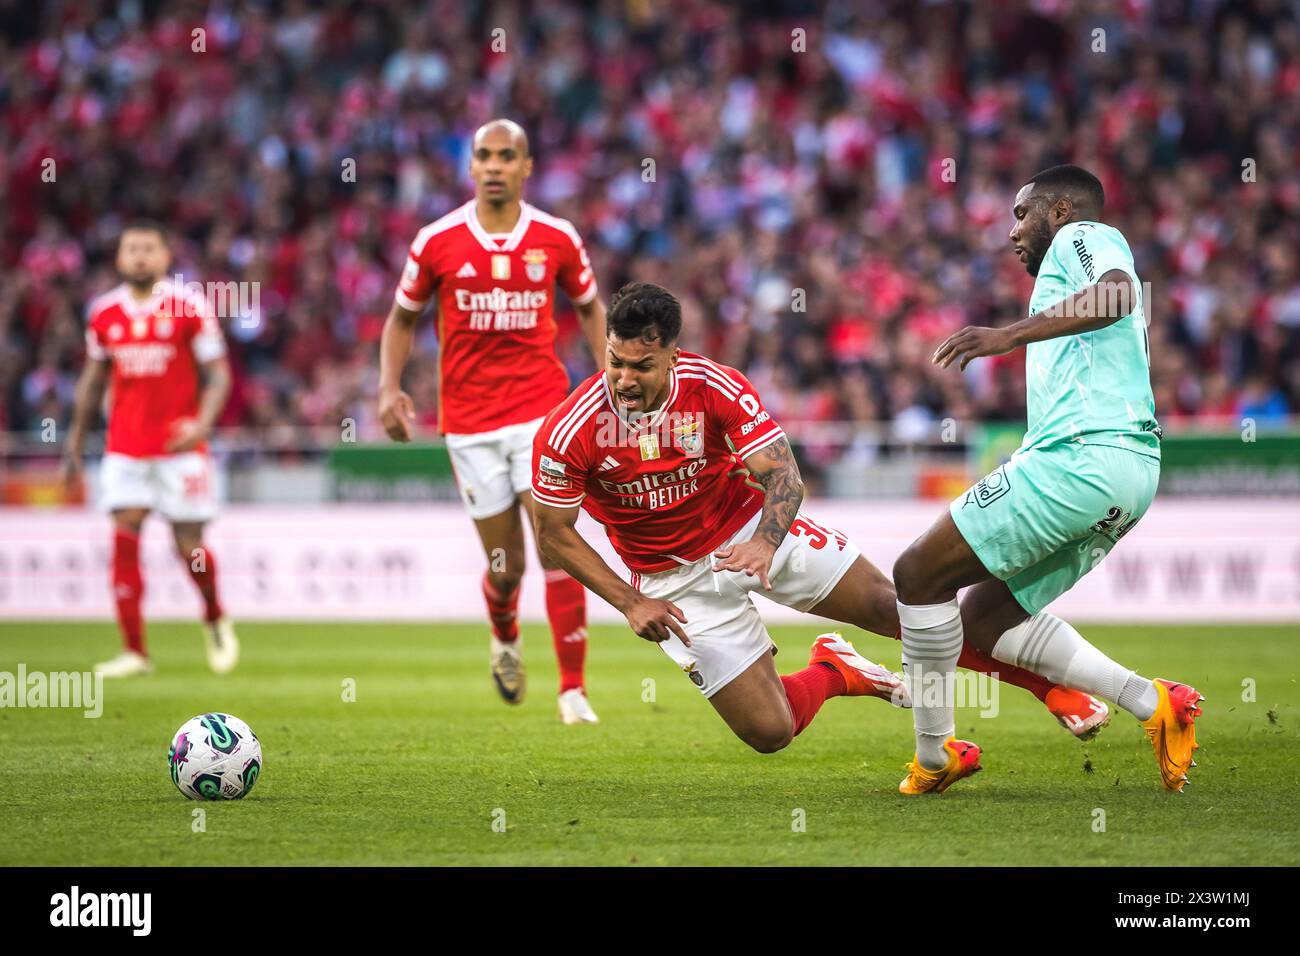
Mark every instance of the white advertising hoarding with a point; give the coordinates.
(1187, 560)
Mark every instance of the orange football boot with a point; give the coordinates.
(1172, 731)
(862, 678)
(1081, 714)
(963, 760)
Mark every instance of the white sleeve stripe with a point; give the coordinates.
(571, 432)
(102, 301)
(555, 222)
(760, 443)
(406, 302)
(713, 367)
(591, 389)
(586, 296)
(724, 384)
(727, 384)
(565, 430)
(94, 350)
(576, 415)
(454, 218)
(585, 274)
(558, 502)
(208, 347)
(712, 383)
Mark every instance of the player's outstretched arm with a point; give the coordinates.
(90, 392)
(591, 316)
(558, 539)
(1104, 303)
(216, 390)
(396, 410)
(775, 469)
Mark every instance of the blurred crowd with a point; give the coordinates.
(826, 187)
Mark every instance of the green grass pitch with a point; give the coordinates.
(419, 767)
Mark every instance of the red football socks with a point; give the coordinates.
(128, 588)
(203, 569)
(566, 609)
(808, 689)
(972, 658)
(501, 611)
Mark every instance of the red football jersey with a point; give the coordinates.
(672, 489)
(496, 316)
(156, 347)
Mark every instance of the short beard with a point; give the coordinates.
(143, 285)
(1035, 262)
(1040, 242)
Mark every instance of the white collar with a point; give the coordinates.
(135, 307)
(485, 240)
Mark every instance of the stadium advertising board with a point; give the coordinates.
(1188, 560)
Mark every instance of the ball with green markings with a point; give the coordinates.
(215, 757)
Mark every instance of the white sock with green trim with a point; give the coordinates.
(932, 639)
(1049, 646)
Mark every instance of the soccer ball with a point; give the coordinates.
(215, 757)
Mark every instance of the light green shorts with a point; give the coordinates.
(1049, 515)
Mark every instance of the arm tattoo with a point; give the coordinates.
(782, 492)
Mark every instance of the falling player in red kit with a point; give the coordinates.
(699, 492)
(169, 382)
(493, 265)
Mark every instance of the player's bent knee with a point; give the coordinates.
(769, 742)
(505, 572)
(506, 567)
(505, 582)
(909, 576)
(769, 736)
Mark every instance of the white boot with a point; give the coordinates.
(576, 709)
(126, 664)
(222, 645)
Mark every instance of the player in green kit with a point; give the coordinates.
(1083, 477)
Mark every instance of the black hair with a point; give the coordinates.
(146, 225)
(643, 310)
(1081, 187)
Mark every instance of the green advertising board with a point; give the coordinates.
(991, 445)
(1192, 463)
(392, 472)
(1245, 462)
(1232, 463)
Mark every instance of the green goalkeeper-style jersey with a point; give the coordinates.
(1093, 388)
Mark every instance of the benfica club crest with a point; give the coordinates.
(690, 438)
(162, 326)
(535, 264)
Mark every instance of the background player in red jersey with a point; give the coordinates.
(170, 380)
(493, 264)
(699, 491)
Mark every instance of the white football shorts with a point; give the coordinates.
(493, 468)
(179, 487)
(727, 634)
